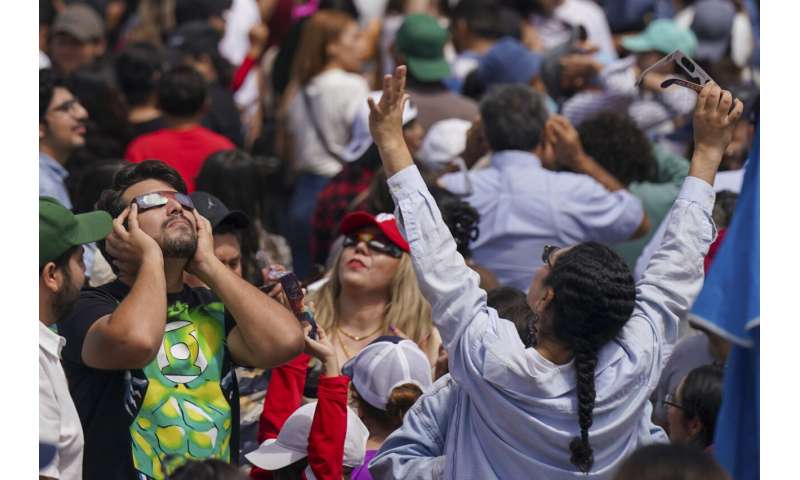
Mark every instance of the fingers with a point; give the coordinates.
(736, 113)
(400, 82)
(133, 217)
(709, 98)
(373, 109)
(117, 224)
(386, 98)
(725, 102)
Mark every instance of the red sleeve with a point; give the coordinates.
(328, 429)
(284, 395)
(240, 74)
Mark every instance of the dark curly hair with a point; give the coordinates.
(594, 295)
(460, 217)
(619, 146)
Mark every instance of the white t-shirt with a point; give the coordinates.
(335, 98)
(59, 424)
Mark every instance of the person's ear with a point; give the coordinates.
(42, 129)
(52, 277)
(694, 427)
(543, 303)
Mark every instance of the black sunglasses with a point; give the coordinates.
(547, 253)
(374, 242)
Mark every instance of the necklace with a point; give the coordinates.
(357, 338)
(347, 352)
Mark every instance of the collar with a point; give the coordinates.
(50, 341)
(515, 158)
(50, 163)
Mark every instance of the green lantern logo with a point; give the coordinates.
(180, 357)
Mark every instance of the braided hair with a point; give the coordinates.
(593, 299)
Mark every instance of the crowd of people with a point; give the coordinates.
(390, 239)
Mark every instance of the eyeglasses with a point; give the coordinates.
(378, 243)
(547, 253)
(159, 199)
(67, 106)
(698, 76)
(669, 399)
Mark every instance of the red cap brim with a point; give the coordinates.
(355, 220)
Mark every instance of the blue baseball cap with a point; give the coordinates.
(508, 61)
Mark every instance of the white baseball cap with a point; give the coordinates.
(292, 442)
(384, 364)
(360, 138)
(443, 143)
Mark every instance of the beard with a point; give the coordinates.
(66, 298)
(178, 243)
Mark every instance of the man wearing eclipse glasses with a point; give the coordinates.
(150, 359)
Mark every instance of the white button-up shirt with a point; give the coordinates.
(59, 424)
(524, 207)
(515, 412)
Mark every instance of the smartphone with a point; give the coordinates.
(294, 292)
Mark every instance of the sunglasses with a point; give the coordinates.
(159, 199)
(547, 254)
(697, 76)
(374, 242)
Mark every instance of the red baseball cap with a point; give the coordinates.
(385, 222)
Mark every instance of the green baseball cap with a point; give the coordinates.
(421, 40)
(663, 36)
(60, 229)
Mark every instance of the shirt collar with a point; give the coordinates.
(51, 163)
(50, 341)
(514, 158)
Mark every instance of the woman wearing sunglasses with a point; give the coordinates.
(372, 290)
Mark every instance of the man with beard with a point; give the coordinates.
(150, 359)
(61, 236)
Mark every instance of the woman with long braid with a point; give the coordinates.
(577, 403)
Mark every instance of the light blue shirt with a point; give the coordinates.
(515, 413)
(51, 180)
(51, 184)
(524, 207)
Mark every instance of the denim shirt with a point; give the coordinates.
(524, 207)
(515, 412)
(416, 449)
(51, 180)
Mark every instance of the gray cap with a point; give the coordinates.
(81, 22)
(713, 22)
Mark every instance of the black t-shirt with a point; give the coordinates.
(185, 403)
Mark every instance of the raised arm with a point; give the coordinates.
(458, 305)
(131, 335)
(674, 276)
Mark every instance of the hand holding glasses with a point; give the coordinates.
(689, 67)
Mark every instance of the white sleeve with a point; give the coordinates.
(49, 420)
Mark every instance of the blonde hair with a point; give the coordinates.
(406, 309)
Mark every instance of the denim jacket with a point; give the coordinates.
(513, 412)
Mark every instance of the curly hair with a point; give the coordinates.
(459, 216)
(619, 146)
(594, 295)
